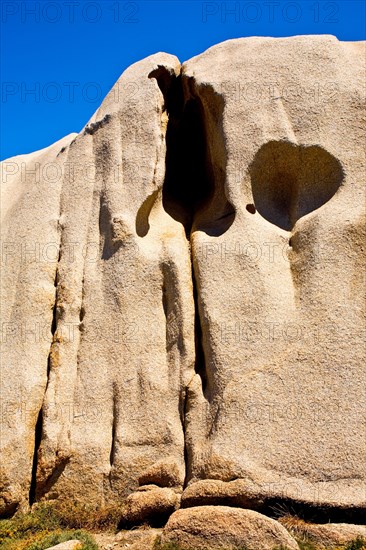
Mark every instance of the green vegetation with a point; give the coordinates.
(357, 544)
(306, 545)
(299, 529)
(47, 525)
(87, 541)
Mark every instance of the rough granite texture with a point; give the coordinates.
(221, 527)
(183, 286)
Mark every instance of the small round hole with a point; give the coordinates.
(251, 208)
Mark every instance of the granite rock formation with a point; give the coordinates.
(184, 286)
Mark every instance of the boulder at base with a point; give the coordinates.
(215, 527)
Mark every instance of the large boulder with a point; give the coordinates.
(278, 251)
(214, 527)
(150, 504)
(97, 340)
(238, 492)
(183, 298)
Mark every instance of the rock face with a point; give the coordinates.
(211, 527)
(327, 535)
(149, 505)
(184, 288)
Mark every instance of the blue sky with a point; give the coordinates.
(60, 58)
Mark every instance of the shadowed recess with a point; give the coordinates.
(37, 443)
(290, 181)
(45, 484)
(280, 506)
(193, 189)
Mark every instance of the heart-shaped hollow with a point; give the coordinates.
(290, 181)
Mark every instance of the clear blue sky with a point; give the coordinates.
(70, 52)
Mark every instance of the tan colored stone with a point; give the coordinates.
(164, 473)
(150, 504)
(137, 539)
(144, 540)
(281, 396)
(147, 542)
(69, 545)
(30, 233)
(214, 527)
(238, 492)
(111, 379)
(120, 367)
(324, 535)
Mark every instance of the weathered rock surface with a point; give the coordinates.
(69, 545)
(107, 375)
(211, 527)
(325, 535)
(150, 504)
(183, 285)
(238, 492)
(164, 473)
(276, 252)
(138, 539)
(134, 539)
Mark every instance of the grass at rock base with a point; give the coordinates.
(49, 524)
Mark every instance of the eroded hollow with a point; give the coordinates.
(193, 189)
(188, 185)
(290, 181)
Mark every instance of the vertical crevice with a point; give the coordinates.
(189, 186)
(200, 362)
(165, 302)
(112, 453)
(54, 317)
(82, 306)
(39, 422)
(54, 311)
(37, 443)
(184, 407)
(194, 187)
